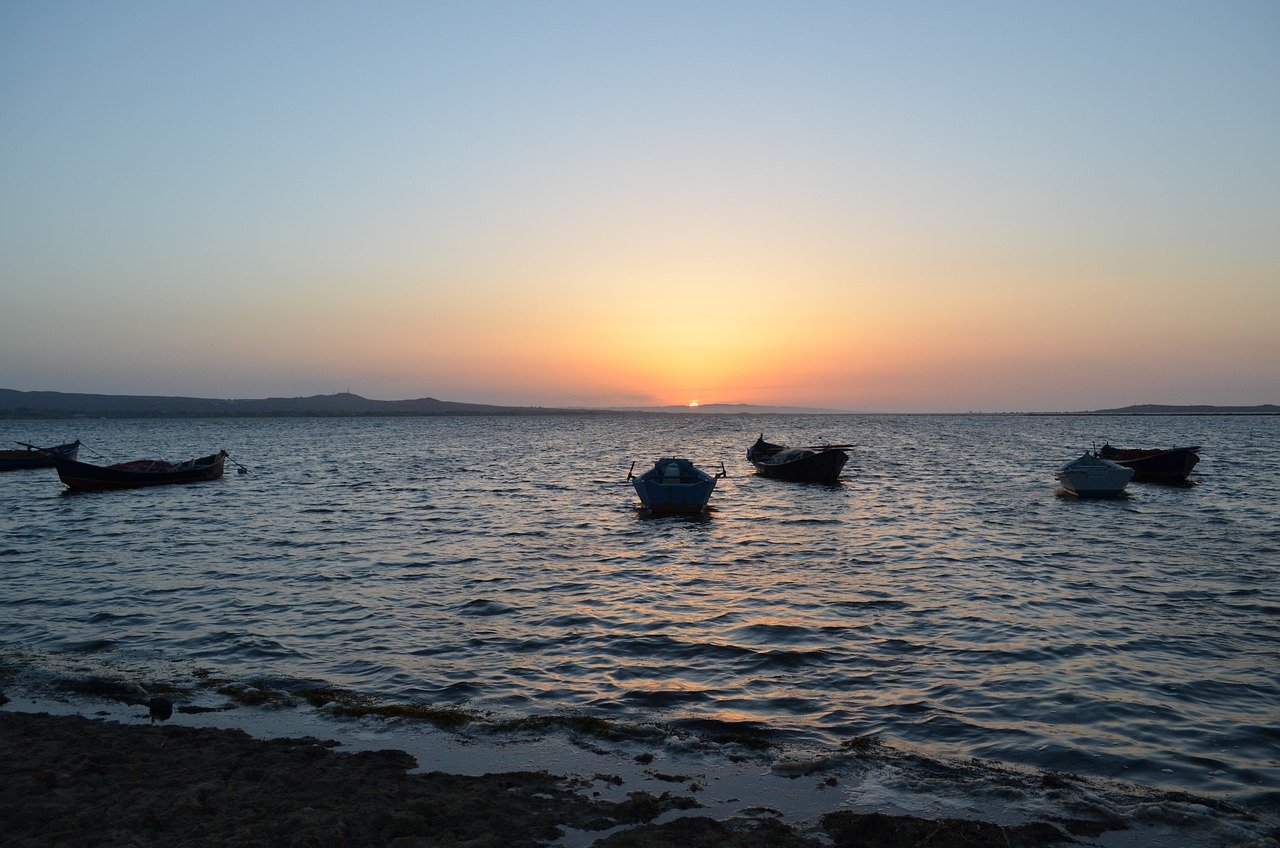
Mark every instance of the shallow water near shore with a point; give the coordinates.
(946, 596)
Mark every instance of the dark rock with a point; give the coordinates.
(670, 778)
(160, 709)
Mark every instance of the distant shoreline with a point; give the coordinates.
(1142, 414)
(27, 406)
(573, 413)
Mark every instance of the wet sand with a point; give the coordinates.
(75, 781)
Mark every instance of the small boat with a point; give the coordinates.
(1159, 466)
(34, 457)
(675, 485)
(815, 464)
(1093, 477)
(82, 476)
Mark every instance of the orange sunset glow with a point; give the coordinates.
(791, 231)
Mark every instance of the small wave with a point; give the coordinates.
(485, 608)
(870, 604)
(774, 633)
(112, 617)
(666, 647)
(660, 699)
(89, 646)
(790, 660)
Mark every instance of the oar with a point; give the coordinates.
(243, 470)
(830, 447)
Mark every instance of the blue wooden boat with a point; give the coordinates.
(34, 457)
(675, 486)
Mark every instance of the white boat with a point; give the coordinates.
(674, 485)
(1093, 477)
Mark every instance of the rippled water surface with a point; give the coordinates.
(945, 594)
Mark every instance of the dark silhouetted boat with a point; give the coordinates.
(674, 485)
(81, 476)
(33, 457)
(814, 464)
(1158, 466)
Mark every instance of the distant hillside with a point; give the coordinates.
(1158, 409)
(14, 404)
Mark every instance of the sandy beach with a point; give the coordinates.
(76, 781)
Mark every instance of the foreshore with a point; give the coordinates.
(72, 780)
(91, 757)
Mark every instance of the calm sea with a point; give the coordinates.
(944, 595)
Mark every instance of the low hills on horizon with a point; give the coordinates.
(18, 404)
(29, 405)
(15, 404)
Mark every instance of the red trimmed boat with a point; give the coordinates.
(83, 477)
(1159, 466)
(34, 457)
(815, 464)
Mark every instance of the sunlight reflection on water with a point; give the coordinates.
(943, 594)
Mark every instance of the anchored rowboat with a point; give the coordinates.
(816, 464)
(1160, 466)
(82, 476)
(34, 457)
(674, 485)
(1091, 477)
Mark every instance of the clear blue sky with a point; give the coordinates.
(958, 206)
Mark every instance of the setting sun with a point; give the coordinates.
(693, 403)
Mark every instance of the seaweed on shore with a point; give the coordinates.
(446, 718)
(582, 724)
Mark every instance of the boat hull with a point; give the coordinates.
(674, 500)
(1155, 466)
(684, 491)
(1091, 477)
(37, 458)
(83, 477)
(820, 465)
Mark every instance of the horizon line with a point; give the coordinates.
(711, 408)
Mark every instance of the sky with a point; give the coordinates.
(907, 206)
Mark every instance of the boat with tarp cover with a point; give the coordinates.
(35, 457)
(813, 464)
(1156, 466)
(83, 477)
